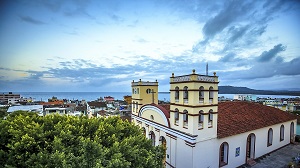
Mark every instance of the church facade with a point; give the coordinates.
(198, 131)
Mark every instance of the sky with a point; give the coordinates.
(103, 45)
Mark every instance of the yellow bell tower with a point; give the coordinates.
(194, 104)
(143, 93)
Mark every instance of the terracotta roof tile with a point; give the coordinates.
(165, 108)
(238, 117)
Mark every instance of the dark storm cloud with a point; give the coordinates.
(268, 55)
(241, 23)
(266, 70)
(31, 20)
(230, 13)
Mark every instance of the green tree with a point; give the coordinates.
(3, 112)
(29, 140)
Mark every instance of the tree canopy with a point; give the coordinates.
(29, 140)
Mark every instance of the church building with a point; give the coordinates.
(198, 131)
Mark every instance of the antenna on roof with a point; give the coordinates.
(207, 69)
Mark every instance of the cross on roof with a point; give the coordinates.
(152, 92)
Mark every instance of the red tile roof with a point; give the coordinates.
(164, 108)
(238, 117)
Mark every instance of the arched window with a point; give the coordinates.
(185, 94)
(201, 118)
(176, 116)
(185, 118)
(292, 132)
(163, 142)
(210, 118)
(148, 91)
(281, 133)
(176, 94)
(250, 147)
(144, 130)
(201, 94)
(152, 137)
(223, 154)
(270, 137)
(133, 106)
(211, 94)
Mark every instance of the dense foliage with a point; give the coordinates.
(28, 140)
(3, 112)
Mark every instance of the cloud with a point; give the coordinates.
(231, 12)
(231, 57)
(237, 32)
(116, 18)
(31, 20)
(265, 70)
(238, 24)
(268, 55)
(141, 40)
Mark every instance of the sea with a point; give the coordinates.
(87, 96)
(90, 96)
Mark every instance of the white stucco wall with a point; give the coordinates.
(261, 147)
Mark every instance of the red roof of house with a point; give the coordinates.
(238, 117)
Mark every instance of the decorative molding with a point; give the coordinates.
(191, 90)
(140, 83)
(190, 144)
(181, 78)
(205, 78)
(204, 105)
(171, 136)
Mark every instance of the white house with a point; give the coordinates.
(200, 132)
(30, 108)
(93, 107)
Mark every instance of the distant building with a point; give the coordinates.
(29, 108)
(9, 98)
(244, 97)
(109, 99)
(58, 110)
(127, 99)
(93, 107)
(198, 131)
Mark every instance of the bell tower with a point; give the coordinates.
(194, 104)
(143, 93)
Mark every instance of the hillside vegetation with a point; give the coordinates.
(245, 90)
